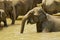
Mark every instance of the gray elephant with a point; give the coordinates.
(19, 7)
(44, 21)
(51, 6)
(52, 24)
(23, 6)
(34, 16)
(3, 17)
(9, 10)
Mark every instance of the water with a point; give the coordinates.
(13, 33)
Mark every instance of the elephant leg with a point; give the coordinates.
(16, 16)
(12, 18)
(13, 15)
(1, 27)
(0, 23)
(5, 23)
(39, 27)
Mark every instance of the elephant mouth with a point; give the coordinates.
(31, 21)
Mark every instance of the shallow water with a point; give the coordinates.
(12, 32)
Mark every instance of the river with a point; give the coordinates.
(12, 32)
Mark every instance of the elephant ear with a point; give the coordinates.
(43, 16)
(44, 13)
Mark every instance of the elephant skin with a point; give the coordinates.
(3, 17)
(9, 10)
(44, 21)
(15, 8)
(51, 6)
(23, 6)
(34, 16)
(52, 24)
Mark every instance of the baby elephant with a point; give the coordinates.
(34, 16)
(44, 21)
(3, 17)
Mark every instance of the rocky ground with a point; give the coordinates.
(12, 32)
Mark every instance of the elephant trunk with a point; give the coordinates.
(26, 17)
(23, 23)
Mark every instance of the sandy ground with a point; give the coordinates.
(12, 32)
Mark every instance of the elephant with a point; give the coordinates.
(9, 10)
(52, 24)
(23, 6)
(51, 6)
(15, 8)
(34, 16)
(44, 21)
(3, 17)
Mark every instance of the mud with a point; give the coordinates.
(12, 32)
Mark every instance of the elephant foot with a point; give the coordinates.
(5, 25)
(1, 27)
(38, 30)
(13, 22)
(38, 27)
(16, 18)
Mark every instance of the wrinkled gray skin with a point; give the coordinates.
(34, 16)
(51, 6)
(44, 21)
(3, 17)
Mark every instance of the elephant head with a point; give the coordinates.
(2, 14)
(33, 16)
(3, 17)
